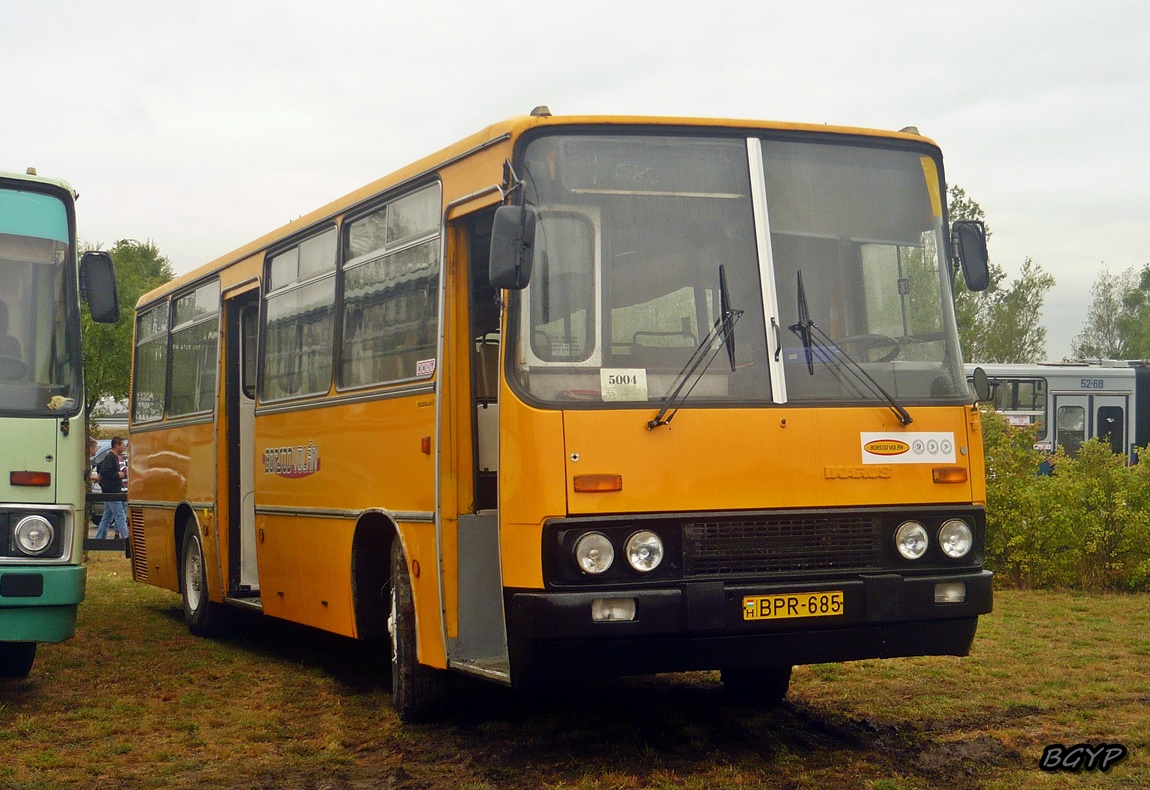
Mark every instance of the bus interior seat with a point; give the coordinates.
(9, 346)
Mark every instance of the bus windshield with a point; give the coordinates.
(39, 315)
(632, 231)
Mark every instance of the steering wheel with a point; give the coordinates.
(869, 342)
(12, 368)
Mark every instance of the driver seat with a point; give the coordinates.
(9, 346)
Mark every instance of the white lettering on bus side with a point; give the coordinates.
(298, 461)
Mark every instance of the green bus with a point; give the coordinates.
(43, 426)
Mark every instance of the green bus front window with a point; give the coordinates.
(39, 318)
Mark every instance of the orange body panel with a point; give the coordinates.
(718, 459)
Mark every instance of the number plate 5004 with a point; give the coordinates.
(828, 603)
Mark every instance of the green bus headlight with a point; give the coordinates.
(34, 534)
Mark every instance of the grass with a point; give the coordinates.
(135, 701)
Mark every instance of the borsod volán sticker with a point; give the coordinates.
(916, 447)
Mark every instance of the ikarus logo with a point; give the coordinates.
(886, 447)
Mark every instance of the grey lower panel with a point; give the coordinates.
(482, 641)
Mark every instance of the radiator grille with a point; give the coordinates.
(781, 545)
(139, 555)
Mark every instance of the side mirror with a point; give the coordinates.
(98, 285)
(512, 247)
(969, 240)
(981, 383)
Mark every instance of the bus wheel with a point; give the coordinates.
(16, 659)
(203, 616)
(418, 692)
(764, 687)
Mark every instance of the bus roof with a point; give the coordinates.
(509, 129)
(33, 178)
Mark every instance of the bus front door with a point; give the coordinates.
(243, 326)
(1110, 424)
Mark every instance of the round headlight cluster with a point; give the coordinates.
(644, 551)
(954, 538)
(594, 553)
(911, 540)
(34, 534)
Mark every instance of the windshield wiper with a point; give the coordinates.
(808, 331)
(723, 331)
(805, 325)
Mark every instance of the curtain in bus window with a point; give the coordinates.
(300, 324)
(194, 349)
(300, 319)
(390, 317)
(151, 364)
(194, 368)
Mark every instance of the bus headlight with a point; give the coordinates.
(34, 534)
(594, 553)
(910, 539)
(955, 538)
(644, 551)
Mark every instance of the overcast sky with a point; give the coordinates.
(201, 126)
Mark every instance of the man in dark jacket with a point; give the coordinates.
(112, 473)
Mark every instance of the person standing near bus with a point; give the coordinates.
(112, 474)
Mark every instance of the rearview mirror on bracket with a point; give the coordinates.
(969, 240)
(512, 247)
(98, 284)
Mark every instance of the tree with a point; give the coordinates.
(108, 347)
(1111, 325)
(1002, 323)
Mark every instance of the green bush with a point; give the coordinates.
(1085, 526)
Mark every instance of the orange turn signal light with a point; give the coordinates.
(949, 474)
(41, 479)
(598, 484)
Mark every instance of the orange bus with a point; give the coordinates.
(580, 397)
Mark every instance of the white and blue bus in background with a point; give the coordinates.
(43, 426)
(1072, 402)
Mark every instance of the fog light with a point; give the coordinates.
(910, 539)
(605, 610)
(950, 592)
(34, 534)
(594, 553)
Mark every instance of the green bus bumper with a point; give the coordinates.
(38, 604)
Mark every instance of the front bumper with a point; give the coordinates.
(700, 626)
(38, 604)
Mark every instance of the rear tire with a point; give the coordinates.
(418, 692)
(763, 687)
(203, 616)
(16, 659)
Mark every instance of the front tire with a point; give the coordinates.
(16, 659)
(203, 616)
(418, 692)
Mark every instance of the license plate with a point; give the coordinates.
(828, 603)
